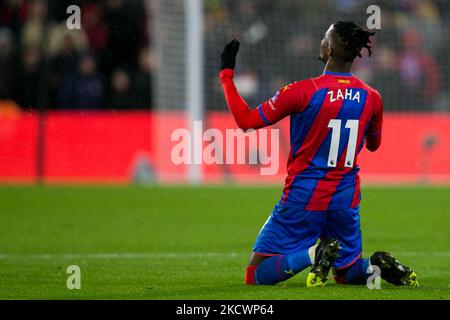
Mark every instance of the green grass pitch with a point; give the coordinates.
(194, 242)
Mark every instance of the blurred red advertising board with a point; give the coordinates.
(116, 147)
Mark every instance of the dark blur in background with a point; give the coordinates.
(105, 65)
(110, 62)
(281, 40)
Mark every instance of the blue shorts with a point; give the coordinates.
(290, 230)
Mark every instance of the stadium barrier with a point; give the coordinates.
(136, 146)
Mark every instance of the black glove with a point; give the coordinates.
(228, 56)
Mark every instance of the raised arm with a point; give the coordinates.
(284, 103)
(245, 117)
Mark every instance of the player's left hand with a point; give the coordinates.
(228, 56)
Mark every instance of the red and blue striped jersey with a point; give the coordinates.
(331, 118)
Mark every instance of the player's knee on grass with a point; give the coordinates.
(277, 268)
(270, 271)
(354, 274)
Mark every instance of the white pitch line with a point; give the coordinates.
(422, 253)
(148, 255)
(174, 255)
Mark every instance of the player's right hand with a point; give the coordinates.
(228, 56)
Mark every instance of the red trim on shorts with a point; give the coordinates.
(353, 261)
(266, 254)
(278, 264)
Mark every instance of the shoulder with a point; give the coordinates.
(374, 92)
(373, 95)
(376, 96)
(307, 86)
(371, 90)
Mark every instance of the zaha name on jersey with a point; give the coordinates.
(331, 118)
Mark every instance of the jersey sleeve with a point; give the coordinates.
(286, 101)
(373, 134)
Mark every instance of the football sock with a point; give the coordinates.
(355, 274)
(250, 274)
(281, 267)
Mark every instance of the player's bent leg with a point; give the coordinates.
(255, 260)
(393, 271)
(284, 243)
(344, 226)
(277, 268)
(324, 255)
(353, 274)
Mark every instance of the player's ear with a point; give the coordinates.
(330, 51)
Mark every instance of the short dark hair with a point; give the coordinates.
(354, 38)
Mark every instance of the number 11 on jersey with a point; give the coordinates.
(335, 125)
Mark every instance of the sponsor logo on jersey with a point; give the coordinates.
(274, 99)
